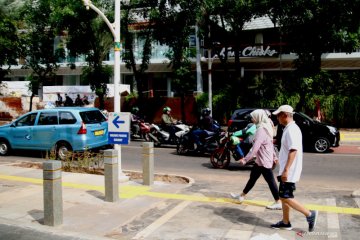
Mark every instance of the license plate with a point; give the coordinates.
(99, 133)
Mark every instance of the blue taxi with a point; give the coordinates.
(61, 129)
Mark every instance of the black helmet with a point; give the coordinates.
(166, 109)
(135, 110)
(205, 112)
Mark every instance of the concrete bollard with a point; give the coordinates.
(53, 203)
(111, 175)
(148, 163)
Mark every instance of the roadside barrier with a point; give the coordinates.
(148, 163)
(53, 203)
(111, 175)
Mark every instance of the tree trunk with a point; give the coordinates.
(31, 100)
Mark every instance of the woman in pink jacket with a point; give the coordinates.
(263, 151)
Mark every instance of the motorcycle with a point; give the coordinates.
(159, 136)
(221, 157)
(144, 130)
(209, 143)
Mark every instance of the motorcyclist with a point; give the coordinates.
(206, 125)
(135, 128)
(247, 134)
(168, 122)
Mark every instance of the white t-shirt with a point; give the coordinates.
(291, 139)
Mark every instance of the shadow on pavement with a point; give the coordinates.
(236, 216)
(29, 153)
(96, 194)
(37, 215)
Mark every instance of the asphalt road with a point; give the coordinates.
(338, 169)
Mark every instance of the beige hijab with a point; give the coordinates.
(262, 120)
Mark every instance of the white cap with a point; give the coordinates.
(284, 108)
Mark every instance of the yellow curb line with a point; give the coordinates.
(127, 192)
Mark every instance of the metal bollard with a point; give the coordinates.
(53, 203)
(148, 163)
(111, 175)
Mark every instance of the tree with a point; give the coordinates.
(221, 23)
(87, 35)
(313, 28)
(131, 29)
(38, 44)
(9, 43)
(173, 23)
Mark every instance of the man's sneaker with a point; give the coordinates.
(282, 225)
(237, 196)
(312, 220)
(275, 206)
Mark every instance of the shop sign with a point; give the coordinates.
(250, 51)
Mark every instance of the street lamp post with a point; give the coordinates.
(209, 60)
(115, 30)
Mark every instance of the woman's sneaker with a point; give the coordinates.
(275, 206)
(282, 225)
(312, 220)
(237, 196)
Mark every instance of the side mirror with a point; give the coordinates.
(12, 125)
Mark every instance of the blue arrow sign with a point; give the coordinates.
(116, 122)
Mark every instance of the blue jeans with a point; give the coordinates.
(197, 133)
(238, 153)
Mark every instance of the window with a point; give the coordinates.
(28, 120)
(92, 117)
(48, 118)
(67, 118)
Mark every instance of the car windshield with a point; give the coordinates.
(305, 116)
(94, 116)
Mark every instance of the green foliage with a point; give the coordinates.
(222, 104)
(9, 43)
(98, 76)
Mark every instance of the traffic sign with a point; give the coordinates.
(119, 127)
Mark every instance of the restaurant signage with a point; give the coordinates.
(250, 51)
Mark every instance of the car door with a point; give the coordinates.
(305, 126)
(45, 132)
(21, 132)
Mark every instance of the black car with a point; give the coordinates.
(317, 136)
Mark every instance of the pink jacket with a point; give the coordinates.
(263, 149)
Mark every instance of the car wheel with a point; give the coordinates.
(321, 145)
(62, 150)
(4, 147)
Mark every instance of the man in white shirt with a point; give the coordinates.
(290, 161)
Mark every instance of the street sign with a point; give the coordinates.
(119, 127)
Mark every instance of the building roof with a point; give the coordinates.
(259, 23)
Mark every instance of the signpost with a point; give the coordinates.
(119, 127)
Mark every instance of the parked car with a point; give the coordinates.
(61, 129)
(317, 136)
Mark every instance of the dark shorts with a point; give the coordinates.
(286, 189)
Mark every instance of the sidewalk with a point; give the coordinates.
(85, 213)
(162, 211)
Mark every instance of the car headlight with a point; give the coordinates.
(333, 130)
